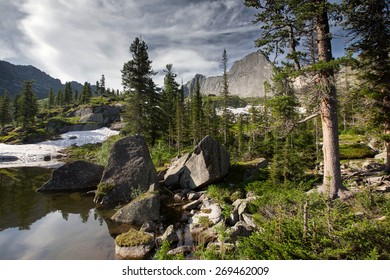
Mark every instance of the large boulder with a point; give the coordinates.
(134, 245)
(129, 170)
(74, 176)
(144, 208)
(208, 163)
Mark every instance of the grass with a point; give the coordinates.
(355, 151)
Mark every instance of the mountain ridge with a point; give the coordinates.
(12, 78)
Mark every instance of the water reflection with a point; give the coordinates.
(49, 226)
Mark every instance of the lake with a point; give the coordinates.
(38, 226)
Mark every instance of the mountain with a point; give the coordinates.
(246, 78)
(12, 78)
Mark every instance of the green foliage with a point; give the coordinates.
(103, 189)
(334, 234)
(355, 151)
(162, 154)
(161, 253)
(27, 105)
(5, 109)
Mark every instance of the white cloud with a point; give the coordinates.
(83, 39)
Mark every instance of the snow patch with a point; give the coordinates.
(44, 154)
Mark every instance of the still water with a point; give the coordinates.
(38, 226)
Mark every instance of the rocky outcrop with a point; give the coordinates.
(246, 78)
(74, 176)
(208, 163)
(103, 115)
(130, 169)
(143, 209)
(134, 245)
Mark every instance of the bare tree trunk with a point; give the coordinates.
(332, 173)
(386, 111)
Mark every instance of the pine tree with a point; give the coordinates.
(16, 108)
(368, 23)
(277, 36)
(5, 109)
(196, 114)
(169, 98)
(28, 105)
(179, 121)
(143, 101)
(68, 94)
(50, 99)
(225, 97)
(102, 86)
(86, 93)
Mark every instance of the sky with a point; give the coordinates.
(81, 40)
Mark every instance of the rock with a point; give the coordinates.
(130, 169)
(192, 205)
(242, 208)
(118, 126)
(248, 219)
(240, 229)
(74, 176)
(221, 246)
(144, 208)
(370, 165)
(149, 226)
(169, 235)
(178, 197)
(210, 215)
(194, 195)
(208, 163)
(182, 250)
(246, 78)
(381, 155)
(134, 245)
(96, 118)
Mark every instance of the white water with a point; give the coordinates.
(43, 154)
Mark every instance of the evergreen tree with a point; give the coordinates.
(86, 93)
(368, 22)
(301, 15)
(225, 98)
(50, 99)
(169, 98)
(68, 94)
(28, 105)
(141, 90)
(5, 109)
(179, 121)
(196, 114)
(102, 86)
(16, 108)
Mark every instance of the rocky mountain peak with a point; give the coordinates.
(246, 78)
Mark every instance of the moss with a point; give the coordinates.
(103, 189)
(133, 238)
(355, 151)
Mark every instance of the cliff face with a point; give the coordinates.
(246, 78)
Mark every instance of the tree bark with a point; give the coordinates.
(332, 182)
(386, 111)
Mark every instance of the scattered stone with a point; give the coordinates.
(144, 208)
(169, 235)
(192, 205)
(248, 219)
(221, 246)
(182, 250)
(194, 195)
(130, 169)
(178, 197)
(149, 226)
(240, 229)
(382, 218)
(74, 176)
